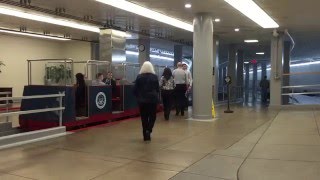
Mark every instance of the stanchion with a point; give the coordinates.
(228, 82)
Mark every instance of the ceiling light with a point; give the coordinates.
(305, 64)
(260, 53)
(250, 9)
(246, 62)
(188, 5)
(33, 35)
(251, 41)
(148, 13)
(151, 55)
(237, 30)
(47, 19)
(217, 20)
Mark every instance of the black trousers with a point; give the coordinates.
(167, 99)
(148, 112)
(180, 96)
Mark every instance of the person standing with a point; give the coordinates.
(180, 79)
(146, 89)
(264, 84)
(99, 80)
(189, 82)
(167, 88)
(188, 73)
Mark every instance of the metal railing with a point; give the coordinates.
(7, 102)
(60, 108)
(293, 88)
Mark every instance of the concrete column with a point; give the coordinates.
(286, 70)
(263, 69)
(144, 49)
(95, 51)
(225, 72)
(202, 66)
(276, 71)
(246, 82)
(178, 52)
(232, 56)
(221, 76)
(215, 71)
(254, 82)
(240, 68)
(112, 45)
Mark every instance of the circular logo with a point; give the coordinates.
(101, 100)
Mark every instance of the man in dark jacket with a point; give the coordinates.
(264, 84)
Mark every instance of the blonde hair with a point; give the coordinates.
(147, 67)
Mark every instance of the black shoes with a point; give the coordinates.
(146, 136)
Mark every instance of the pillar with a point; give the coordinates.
(202, 66)
(240, 56)
(254, 82)
(240, 68)
(220, 76)
(263, 69)
(286, 70)
(276, 71)
(178, 52)
(144, 49)
(112, 48)
(246, 82)
(112, 45)
(232, 65)
(215, 71)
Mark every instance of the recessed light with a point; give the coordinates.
(260, 53)
(188, 5)
(217, 20)
(246, 62)
(251, 41)
(237, 30)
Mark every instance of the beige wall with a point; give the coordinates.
(15, 50)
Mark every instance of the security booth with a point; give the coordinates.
(95, 103)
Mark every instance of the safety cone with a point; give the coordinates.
(213, 111)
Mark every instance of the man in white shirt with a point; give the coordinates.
(98, 80)
(189, 75)
(181, 82)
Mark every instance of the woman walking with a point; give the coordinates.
(146, 90)
(167, 88)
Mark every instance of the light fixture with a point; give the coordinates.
(305, 64)
(250, 9)
(251, 41)
(33, 35)
(47, 19)
(217, 20)
(151, 55)
(260, 53)
(148, 13)
(237, 30)
(188, 5)
(246, 62)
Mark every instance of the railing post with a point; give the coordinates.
(60, 112)
(7, 106)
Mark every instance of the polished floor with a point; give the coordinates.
(251, 144)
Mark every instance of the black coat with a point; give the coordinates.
(146, 88)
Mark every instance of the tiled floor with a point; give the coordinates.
(252, 143)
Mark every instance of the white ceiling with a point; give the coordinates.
(300, 17)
